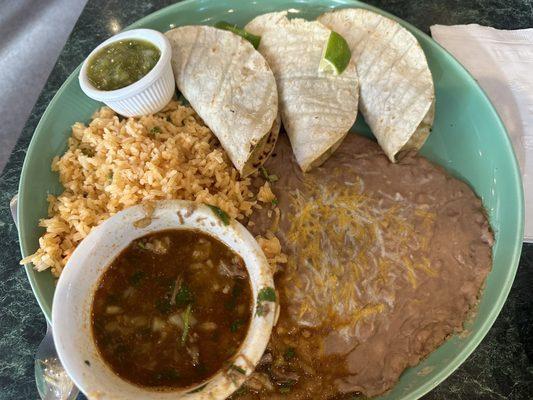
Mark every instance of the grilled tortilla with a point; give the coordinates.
(317, 108)
(232, 89)
(397, 93)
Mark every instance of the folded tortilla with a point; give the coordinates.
(397, 93)
(232, 89)
(317, 109)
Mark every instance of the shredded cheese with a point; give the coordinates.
(346, 249)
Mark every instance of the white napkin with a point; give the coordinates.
(502, 63)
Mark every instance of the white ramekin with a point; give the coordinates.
(71, 310)
(150, 93)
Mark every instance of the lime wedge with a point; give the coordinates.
(253, 39)
(335, 56)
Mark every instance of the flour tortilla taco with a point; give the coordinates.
(317, 108)
(232, 89)
(397, 93)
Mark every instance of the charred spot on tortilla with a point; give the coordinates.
(264, 149)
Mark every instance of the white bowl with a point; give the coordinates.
(71, 311)
(150, 93)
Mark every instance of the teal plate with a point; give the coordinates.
(468, 139)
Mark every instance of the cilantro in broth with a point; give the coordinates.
(184, 296)
(172, 303)
(235, 325)
(289, 354)
(136, 277)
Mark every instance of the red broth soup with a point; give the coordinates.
(172, 309)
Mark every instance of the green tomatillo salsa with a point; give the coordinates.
(122, 63)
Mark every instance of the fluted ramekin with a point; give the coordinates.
(146, 96)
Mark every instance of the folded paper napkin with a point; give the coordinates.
(502, 63)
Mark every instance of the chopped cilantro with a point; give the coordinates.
(235, 325)
(155, 130)
(275, 202)
(289, 353)
(136, 278)
(267, 176)
(260, 311)
(220, 214)
(266, 294)
(264, 172)
(184, 296)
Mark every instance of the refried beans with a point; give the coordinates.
(385, 261)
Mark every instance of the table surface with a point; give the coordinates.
(500, 368)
